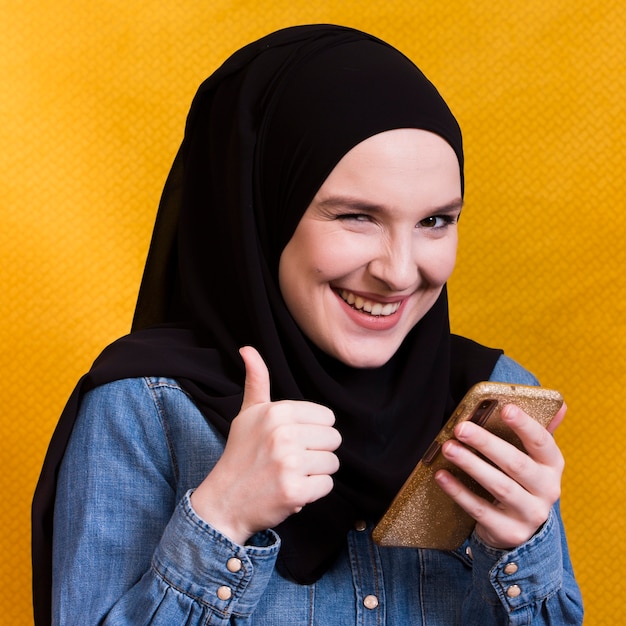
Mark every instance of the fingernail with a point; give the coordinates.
(509, 412)
(464, 430)
(449, 448)
(441, 478)
(461, 431)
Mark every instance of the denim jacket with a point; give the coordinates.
(130, 550)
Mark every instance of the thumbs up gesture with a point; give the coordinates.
(279, 457)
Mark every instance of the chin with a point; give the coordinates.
(365, 359)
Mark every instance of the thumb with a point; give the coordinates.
(256, 389)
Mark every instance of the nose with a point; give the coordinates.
(395, 264)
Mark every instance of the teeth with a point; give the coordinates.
(373, 308)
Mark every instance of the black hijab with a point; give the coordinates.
(263, 133)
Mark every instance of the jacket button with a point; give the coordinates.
(233, 565)
(370, 602)
(510, 568)
(224, 593)
(513, 591)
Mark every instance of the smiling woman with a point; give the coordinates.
(290, 362)
(375, 247)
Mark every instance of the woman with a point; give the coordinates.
(290, 361)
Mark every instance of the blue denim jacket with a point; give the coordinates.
(130, 550)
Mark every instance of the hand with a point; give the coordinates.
(279, 456)
(524, 485)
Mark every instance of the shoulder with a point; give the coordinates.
(137, 402)
(152, 417)
(127, 389)
(507, 370)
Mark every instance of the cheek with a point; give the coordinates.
(303, 266)
(441, 264)
(332, 259)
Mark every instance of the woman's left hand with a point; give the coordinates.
(525, 485)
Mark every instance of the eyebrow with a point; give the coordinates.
(358, 204)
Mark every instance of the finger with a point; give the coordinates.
(503, 483)
(317, 486)
(303, 412)
(557, 419)
(320, 437)
(257, 384)
(536, 473)
(504, 456)
(538, 444)
(472, 504)
(319, 463)
(537, 441)
(495, 524)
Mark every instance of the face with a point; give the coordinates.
(375, 247)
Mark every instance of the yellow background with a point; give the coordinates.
(93, 97)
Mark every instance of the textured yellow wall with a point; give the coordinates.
(93, 97)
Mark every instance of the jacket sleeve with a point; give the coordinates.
(127, 549)
(534, 583)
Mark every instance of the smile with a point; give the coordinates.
(371, 307)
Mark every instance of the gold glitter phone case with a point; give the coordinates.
(422, 515)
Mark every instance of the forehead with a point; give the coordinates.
(397, 166)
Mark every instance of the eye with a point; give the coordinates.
(437, 221)
(356, 217)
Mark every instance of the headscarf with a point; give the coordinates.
(263, 133)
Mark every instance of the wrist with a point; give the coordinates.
(214, 510)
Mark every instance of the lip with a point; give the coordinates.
(366, 295)
(372, 322)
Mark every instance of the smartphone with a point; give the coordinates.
(422, 515)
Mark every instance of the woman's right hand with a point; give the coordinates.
(279, 456)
